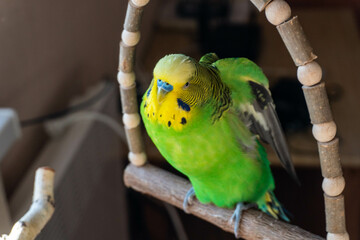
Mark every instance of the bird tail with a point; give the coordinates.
(273, 207)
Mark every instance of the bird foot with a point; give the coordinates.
(188, 200)
(236, 217)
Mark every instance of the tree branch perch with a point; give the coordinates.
(41, 209)
(172, 189)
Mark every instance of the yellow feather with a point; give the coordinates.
(176, 70)
(167, 111)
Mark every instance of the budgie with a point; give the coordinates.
(207, 118)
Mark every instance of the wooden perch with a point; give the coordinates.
(324, 128)
(126, 77)
(41, 209)
(172, 189)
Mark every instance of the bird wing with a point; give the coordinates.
(252, 100)
(261, 118)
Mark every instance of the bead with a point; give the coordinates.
(138, 159)
(126, 59)
(131, 120)
(130, 38)
(317, 103)
(134, 139)
(309, 74)
(277, 12)
(337, 236)
(133, 17)
(140, 3)
(324, 132)
(296, 42)
(333, 186)
(330, 159)
(335, 213)
(126, 79)
(128, 95)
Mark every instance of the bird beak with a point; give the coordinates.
(163, 89)
(161, 93)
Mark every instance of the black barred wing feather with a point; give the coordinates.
(260, 116)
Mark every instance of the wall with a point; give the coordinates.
(51, 51)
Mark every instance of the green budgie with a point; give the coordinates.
(206, 119)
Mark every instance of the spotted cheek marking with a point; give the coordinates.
(183, 121)
(183, 105)
(170, 120)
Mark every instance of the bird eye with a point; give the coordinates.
(186, 84)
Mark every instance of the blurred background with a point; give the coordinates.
(58, 66)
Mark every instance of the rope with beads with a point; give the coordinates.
(309, 73)
(130, 37)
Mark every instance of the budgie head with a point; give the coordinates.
(181, 86)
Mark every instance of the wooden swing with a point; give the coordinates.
(167, 187)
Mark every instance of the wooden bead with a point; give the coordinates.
(277, 12)
(330, 159)
(335, 214)
(260, 4)
(140, 3)
(134, 138)
(126, 59)
(333, 186)
(133, 18)
(126, 79)
(317, 103)
(138, 159)
(131, 120)
(130, 38)
(129, 96)
(324, 132)
(296, 42)
(309, 74)
(337, 236)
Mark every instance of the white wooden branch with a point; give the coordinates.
(172, 189)
(41, 209)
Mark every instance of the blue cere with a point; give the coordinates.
(164, 85)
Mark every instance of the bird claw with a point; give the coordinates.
(188, 199)
(236, 217)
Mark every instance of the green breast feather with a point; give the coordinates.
(225, 104)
